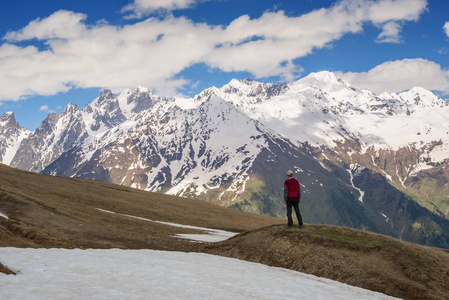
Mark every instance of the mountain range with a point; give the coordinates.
(367, 161)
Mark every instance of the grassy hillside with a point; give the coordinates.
(46, 211)
(355, 257)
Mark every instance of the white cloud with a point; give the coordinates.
(390, 15)
(397, 76)
(384, 11)
(140, 8)
(61, 25)
(153, 51)
(148, 53)
(446, 28)
(44, 108)
(390, 33)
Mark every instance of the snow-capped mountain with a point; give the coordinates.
(11, 135)
(170, 149)
(59, 133)
(322, 109)
(232, 145)
(52, 138)
(403, 136)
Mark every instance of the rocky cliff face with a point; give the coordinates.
(233, 146)
(11, 135)
(56, 135)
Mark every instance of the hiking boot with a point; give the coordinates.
(300, 225)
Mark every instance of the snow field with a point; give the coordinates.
(150, 274)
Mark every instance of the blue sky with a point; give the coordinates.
(53, 52)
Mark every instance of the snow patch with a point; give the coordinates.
(400, 179)
(143, 274)
(385, 216)
(420, 167)
(356, 169)
(388, 176)
(211, 235)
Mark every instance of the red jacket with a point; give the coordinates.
(292, 189)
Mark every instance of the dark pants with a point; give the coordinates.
(293, 202)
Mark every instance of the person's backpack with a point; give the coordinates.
(293, 187)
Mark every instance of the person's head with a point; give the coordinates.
(290, 173)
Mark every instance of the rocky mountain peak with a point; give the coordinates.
(8, 120)
(245, 87)
(134, 101)
(48, 122)
(421, 97)
(11, 135)
(7, 114)
(105, 95)
(70, 109)
(325, 81)
(9, 127)
(103, 112)
(105, 103)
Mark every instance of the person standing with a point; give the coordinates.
(292, 197)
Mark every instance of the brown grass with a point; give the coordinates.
(368, 260)
(47, 212)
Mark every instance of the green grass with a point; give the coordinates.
(342, 235)
(53, 210)
(405, 257)
(409, 260)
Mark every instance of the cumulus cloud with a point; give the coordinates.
(390, 16)
(140, 8)
(400, 75)
(390, 33)
(384, 11)
(60, 25)
(44, 108)
(446, 28)
(152, 52)
(148, 53)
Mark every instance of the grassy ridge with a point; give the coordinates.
(67, 210)
(46, 211)
(355, 257)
